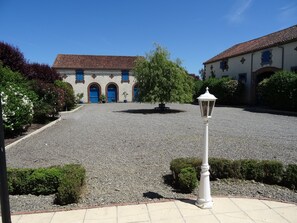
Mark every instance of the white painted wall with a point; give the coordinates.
(103, 78)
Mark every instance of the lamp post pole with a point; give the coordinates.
(5, 208)
(204, 198)
(206, 103)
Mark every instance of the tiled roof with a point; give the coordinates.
(68, 61)
(274, 39)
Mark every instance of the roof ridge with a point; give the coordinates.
(270, 34)
(92, 55)
(272, 39)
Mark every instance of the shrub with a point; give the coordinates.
(66, 182)
(178, 164)
(17, 109)
(71, 183)
(223, 168)
(187, 179)
(270, 172)
(69, 97)
(17, 99)
(51, 100)
(228, 92)
(18, 180)
(290, 177)
(44, 180)
(12, 57)
(279, 91)
(43, 72)
(79, 96)
(197, 89)
(273, 171)
(251, 170)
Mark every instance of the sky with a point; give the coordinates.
(191, 30)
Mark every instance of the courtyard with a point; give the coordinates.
(126, 149)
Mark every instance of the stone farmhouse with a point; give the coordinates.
(95, 76)
(252, 61)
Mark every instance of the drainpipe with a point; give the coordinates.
(283, 56)
(252, 87)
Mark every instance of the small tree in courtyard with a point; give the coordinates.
(162, 80)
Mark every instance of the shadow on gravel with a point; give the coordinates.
(168, 180)
(154, 195)
(151, 111)
(269, 111)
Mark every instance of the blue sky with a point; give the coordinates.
(192, 30)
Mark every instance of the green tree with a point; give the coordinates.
(162, 80)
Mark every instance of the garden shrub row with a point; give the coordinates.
(30, 92)
(66, 182)
(266, 171)
(228, 91)
(279, 91)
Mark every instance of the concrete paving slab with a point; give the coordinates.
(37, 218)
(224, 205)
(237, 217)
(75, 216)
(164, 212)
(189, 209)
(268, 215)
(274, 204)
(133, 213)
(246, 204)
(289, 213)
(15, 218)
(102, 214)
(203, 218)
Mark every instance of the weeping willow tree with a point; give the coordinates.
(162, 80)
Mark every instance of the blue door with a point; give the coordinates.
(136, 94)
(94, 94)
(112, 93)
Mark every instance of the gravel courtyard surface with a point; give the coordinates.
(126, 150)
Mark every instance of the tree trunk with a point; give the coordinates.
(162, 106)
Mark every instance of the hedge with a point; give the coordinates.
(71, 183)
(279, 91)
(266, 171)
(228, 91)
(66, 182)
(187, 179)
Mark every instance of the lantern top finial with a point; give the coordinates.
(207, 96)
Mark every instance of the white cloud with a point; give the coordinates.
(237, 10)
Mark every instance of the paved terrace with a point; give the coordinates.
(227, 210)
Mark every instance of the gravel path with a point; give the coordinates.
(126, 150)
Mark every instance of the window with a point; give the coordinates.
(79, 76)
(225, 76)
(266, 57)
(125, 76)
(224, 65)
(242, 78)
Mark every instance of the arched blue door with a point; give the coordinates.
(94, 94)
(136, 93)
(112, 93)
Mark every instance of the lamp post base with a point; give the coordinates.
(204, 204)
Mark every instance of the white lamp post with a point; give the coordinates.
(206, 103)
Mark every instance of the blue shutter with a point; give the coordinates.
(79, 75)
(266, 57)
(125, 76)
